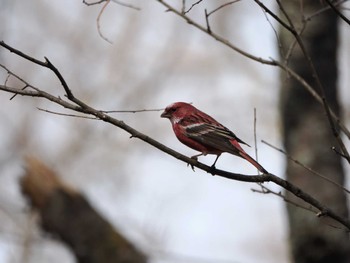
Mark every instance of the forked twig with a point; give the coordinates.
(98, 22)
(271, 62)
(79, 106)
(306, 167)
(336, 10)
(319, 84)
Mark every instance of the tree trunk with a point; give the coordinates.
(68, 215)
(308, 137)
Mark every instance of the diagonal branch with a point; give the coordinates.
(317, 79)
(88, 110)
(215, 36)
(306, 167)
(271, 62)
(336, 10)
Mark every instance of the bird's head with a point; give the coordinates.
(176, 111)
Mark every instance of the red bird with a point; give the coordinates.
(203, 133)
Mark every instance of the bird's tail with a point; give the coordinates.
(237, 150)
(246, 156)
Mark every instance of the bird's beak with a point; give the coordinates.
(165, 115)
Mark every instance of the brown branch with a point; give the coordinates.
(272, 14)
(323, 100)
(322, 10)
(98, 22)
(131, 111)
(115, 1)
(265, 190)
(66, 114)
(93, 3)
(306, 167)
(207, 21)
(84, 108)
(318, 82)
(222, 6)
(336, 10)
(271, 62)
(215, 36)
(313, 93)
(255, 140)
(193, 5)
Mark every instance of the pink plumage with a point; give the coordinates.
(203, 133)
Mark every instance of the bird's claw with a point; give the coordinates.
(192, 166)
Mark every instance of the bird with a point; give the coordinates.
(203, 133)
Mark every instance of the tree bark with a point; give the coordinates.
(68, 215)
(308, 137)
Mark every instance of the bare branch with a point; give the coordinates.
(322, 10)
(266, 190)
(255, 140)
(306, 167)
(323, 100)
(193, 5)
(272, 14)
(207, 21)
(66, 114)
(98, 22)
(271, 62)
(215, 36)
(312, 92)
(130, 111)
(222, 6)
(336, 10)
(93, 3)
(115, 1)
(318, 82)
(88, 110)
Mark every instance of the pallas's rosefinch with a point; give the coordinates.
(203, 133)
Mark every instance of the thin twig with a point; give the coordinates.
(255, 140)
(222, 6)
(306, 167)
(324, 102)
(274, 30)
(318, 82)
(193, 5)
(98, 22)
(207, 21)
(336, 10)
(322, 10)
(313, 93)
(66, 114)
(183, 8)
(271, 62)
(82, 107)
(93, 3)
(293, 45)
(337, 152)
(266, 190)
(115, 1)
(272, 14)
(216, 36)
(131, 111)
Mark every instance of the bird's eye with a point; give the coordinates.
(173, 110)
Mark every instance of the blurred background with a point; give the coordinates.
(155, 58)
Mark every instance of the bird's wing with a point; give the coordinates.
(213, 136)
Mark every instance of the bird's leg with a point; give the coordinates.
(194, 157)
(213, 168)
